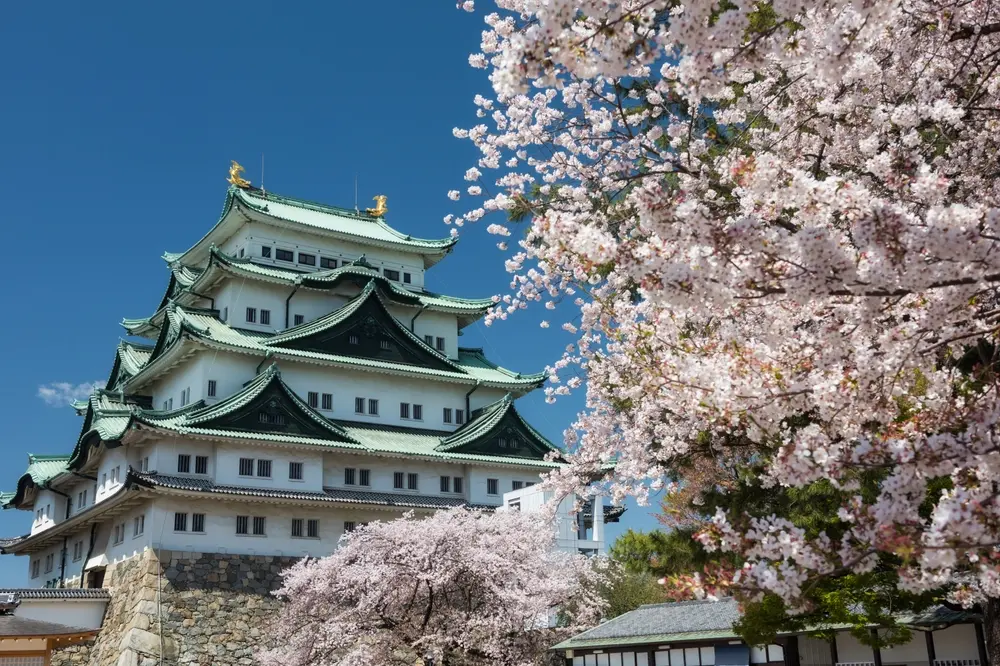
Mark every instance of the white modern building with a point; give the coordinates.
(297, 379)
(578, 530)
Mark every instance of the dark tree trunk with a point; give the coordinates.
(989, 634)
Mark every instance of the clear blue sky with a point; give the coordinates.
(118, 123)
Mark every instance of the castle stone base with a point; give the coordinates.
(193, 608)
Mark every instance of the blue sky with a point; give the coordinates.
(118, 124)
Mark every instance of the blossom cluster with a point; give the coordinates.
(453, 587)
(777, 221)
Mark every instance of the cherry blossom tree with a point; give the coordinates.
(455, 588)
(774, 223)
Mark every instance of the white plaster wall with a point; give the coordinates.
(849, 649)
(433, 323)
(814, 652)
(166, 451)
(220, 527)
(251, 236)
(111, 459)
(43, 576)
(313, 304)
(228, 458)
(170, 384)
(53, 507)
(74, 492)
(132, 544)
(956, 642)
(913, 652)
(84, 613)
(383, 469)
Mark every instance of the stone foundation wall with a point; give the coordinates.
(212, 609)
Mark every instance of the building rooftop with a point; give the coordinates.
(58, 592)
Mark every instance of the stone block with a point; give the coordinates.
(128, 658)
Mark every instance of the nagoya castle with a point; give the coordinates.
(296, 380)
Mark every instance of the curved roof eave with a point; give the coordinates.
(432, 250)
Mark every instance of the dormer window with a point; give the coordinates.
(271, 418)
(439, 344)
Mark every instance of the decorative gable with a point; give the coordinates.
(363, 328)
(498, 430)
(267, 405)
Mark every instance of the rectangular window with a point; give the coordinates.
(138, 525)
(265, 317)
(259, 523)
(116, 540)
(313, 399)
(201, 464)
(264, 468)
(144, 464)
(213, 388)
(404, 410)
(354, 340)
(295, 471)
(180, 522)
(34, 568)
(299, 319)
(447, 415)
(184, 397)
(243, 522)
(170, 403)
(307, 259)
(327, 401)
(411, 481)
(406, 278)
(459, 416)
(365, 477)
(348, 527)
(251, 315)
(516, 485)
(457, 485)
(198, 523)
(77, 551)
(284, 255)
(312, 528)
(385, 344)
(446, 484)
(418, 412)
(439, 344)
(326, 262)
(50, 559)
(265, 252)
(246, 466)
(225, 313)
(391, 274)
(183, 463)
(359, 405)
(296, 527)
(492, 487)
(429, 340)
(349, 476)
(104, 480)
(373, 406)
(397, 480)
(242, 252)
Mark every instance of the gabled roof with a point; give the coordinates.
(252, 204)
(185, 329)
(130, 357)
(495, 427)
(364, 327)
(266, 404)
(41, 469)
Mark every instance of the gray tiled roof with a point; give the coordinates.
(403, 500)
(12, 625)
(677, 617)
(58, 592)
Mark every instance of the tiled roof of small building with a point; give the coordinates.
(16, 626)
(58, 592)
(682, 620)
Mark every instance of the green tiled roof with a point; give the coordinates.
(311, 217)
(204, 327)
(41, 470)
(484, 420)
(129, 360)
(112, 419)
(6, 496)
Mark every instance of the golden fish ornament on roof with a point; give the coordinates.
(380, 208)
(234, 176)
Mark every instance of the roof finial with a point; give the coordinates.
(234, 176)
(380, 208)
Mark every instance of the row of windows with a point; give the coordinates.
(307, 528)
(197, 522)
(309, 259)
(184, 464)
(436, 343)
(50, 560)
(265, 316)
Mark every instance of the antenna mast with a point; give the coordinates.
(262, 174)
(356, 209)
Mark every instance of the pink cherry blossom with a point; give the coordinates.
(779, 221)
